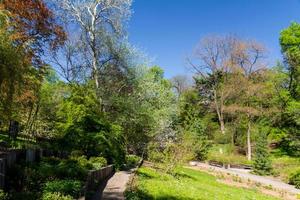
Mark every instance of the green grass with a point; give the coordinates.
(227, 157)
(186, 184)
(285, 165)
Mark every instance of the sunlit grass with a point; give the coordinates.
(285, 165)
(227, 156)
(187, 184)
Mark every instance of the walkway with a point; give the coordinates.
(116, 186)
(261, 179)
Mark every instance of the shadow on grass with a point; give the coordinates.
(142, 195)
(145, 175)
(179, 175)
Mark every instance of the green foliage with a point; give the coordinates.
(19, 81)
(193, 126)
(132, 161)
(262, 163)
(55, 196)
(3, 195)
(294, 179)
(170, 154)
(84, 128)
(289, 41)
(226, 154)
(147, 112)
(98, 162)
(154, 153)
(291, 142)
(52, 95)
(62, 168)
(65, 187)
(284, 165)
(197, 141)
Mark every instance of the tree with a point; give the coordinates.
(220, 57)
(19, 81)
(262, 164)
(289, 41)
(34, 27)
(100, 29)
(288, 89)
(27, 29)
(52, 94)
(246, 101)
(180, 83)
(214, 55)
(148, 110)
(197, 140)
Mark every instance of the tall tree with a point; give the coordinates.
(28, 29)
(101, 31)
(290, 42)
(34, 26)
(289, 119)
(218, 57)
(246, 96)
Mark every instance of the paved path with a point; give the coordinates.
(116, 186)
(244, 175)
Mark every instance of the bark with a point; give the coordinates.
(249, 150)
(219, 113)
(92, 34)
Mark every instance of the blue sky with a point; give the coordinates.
(168, 30)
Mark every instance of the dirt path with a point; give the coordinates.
(116, 186)
(267, 181)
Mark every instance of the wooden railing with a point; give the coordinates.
(96, 182)
(11, 157)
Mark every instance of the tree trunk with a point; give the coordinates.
(249, 150)
(222, 125)
(93, 45)
(219, 112)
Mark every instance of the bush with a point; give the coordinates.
(3, 195)
(83, 162)
(132, 161)
(55, 196)
(54, 168)
(76, 153)
(294, 179)
(198, 144)
(65, 187)
(71, 168)
(97, 162)
(154, 153)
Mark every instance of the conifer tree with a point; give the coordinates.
(262, 164)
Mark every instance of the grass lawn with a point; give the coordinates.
(186, 184)
(227, 157)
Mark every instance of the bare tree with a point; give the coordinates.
(218, 59)
(99, 24)
(180, 83)
(214, 55)
(246, 89)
